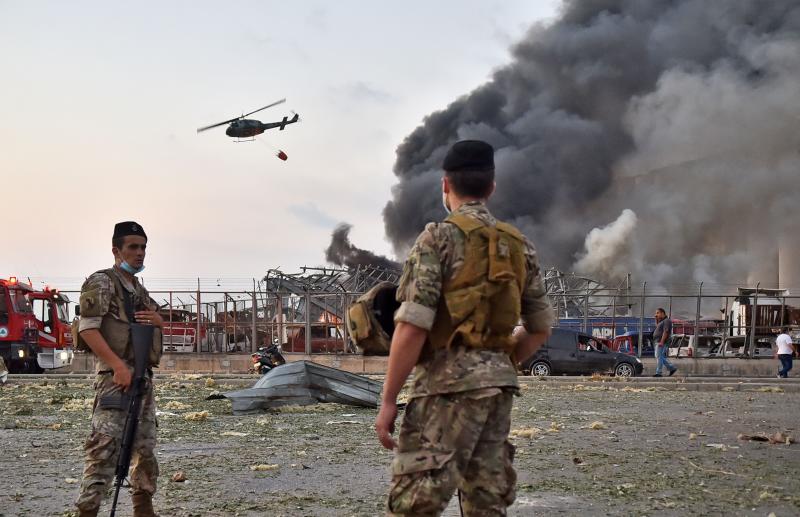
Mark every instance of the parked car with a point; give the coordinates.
(687, 345)
(568, 352)
(734, 347)
(628, 343)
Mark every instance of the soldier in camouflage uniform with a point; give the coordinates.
(107, 299)
(465, 286)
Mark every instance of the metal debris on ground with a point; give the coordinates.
(304, 383)
(777, 438)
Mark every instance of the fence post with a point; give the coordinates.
(641, 321)
(724, 328)
(197, 330)
(346, 320)
(225, 321)
(614, 316)
(754, 314)
(254, 345)
(586, 311)
(308, 323)
(697, 317)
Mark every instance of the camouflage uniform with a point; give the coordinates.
(102, 447)
(454, 433)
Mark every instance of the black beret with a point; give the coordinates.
(128, 228)
(469, 155)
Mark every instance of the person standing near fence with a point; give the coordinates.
(661, 336)
(465, 286)
(109, 299)
(786, 350)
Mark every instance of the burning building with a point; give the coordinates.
(660, 138)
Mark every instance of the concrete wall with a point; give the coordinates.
(239, 363)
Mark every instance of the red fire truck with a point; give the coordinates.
(51, 309)
(29, 345)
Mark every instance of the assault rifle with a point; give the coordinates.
(130, 400)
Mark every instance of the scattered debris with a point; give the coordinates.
(525, 432)
(176, 405)
(710, 471)
(338, 422)
(232, 433)
(693, 436)
(196, 416)
(179, 477)
(770, 389)
(577, 461)
(639, 390)
(210, 383)
(777, 438)
(555, 427)
(78, 404)
(215, 395)
(264, 467)
(71, 481)
(597, 425)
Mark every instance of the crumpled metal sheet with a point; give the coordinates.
(305, 383)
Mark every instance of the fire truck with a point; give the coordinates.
(51, 309)
(27, 344)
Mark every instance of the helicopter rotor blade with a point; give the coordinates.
(217, 125)
(265, 107)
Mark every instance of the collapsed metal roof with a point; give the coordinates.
(304, 383)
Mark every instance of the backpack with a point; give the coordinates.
(371, 319)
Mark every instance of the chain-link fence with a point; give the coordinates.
(725, 325)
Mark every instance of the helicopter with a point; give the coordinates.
(241, 127)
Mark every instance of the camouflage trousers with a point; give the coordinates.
(454, 441)
(101, 449)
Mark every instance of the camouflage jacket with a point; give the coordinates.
(438, 254)
(100, 288)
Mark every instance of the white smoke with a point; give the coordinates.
(607, 249)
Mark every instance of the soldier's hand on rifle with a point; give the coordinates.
(384, 424)
(122, 376)
(149, 318)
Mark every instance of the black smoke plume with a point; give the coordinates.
(684, 112)
(343, 253)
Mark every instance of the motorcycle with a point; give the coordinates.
(266, 358)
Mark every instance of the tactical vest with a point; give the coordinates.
(116, 328)
(480, 306)
(371, 319)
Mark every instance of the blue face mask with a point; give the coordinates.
(130, 269)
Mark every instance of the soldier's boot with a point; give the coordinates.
(142, 505)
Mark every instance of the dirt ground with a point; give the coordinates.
(594, 448)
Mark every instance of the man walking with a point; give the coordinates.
(110, 300)
(661, 336)
(786, 350)
(465, 286)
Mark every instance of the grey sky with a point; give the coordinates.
(99, 104)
